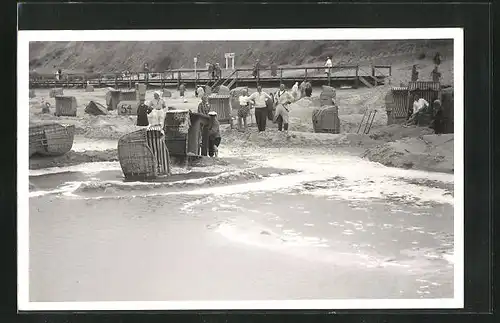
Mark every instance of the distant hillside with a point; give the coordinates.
(119, 56)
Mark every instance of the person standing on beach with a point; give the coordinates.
(142, 115)
(302, 89)
(283, 100)
(259, 99)
(435, 74)
(182, 90)
(308, 89)
(157, 115)
(214, 137)
(204, 107)
(200, 92)
(243, 110)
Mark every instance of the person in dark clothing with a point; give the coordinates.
(437, 123)
(414, 73)
(437, 59)
(308, 90)
(142, 115)
(435, 74)
(214, 137)
(256, 69)
(218, 71)
(210, 71)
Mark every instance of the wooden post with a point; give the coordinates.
(281, 75)
(305, 78)
(329, 78)
(116, 81)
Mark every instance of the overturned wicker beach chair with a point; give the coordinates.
(143, 155)
(51, 139)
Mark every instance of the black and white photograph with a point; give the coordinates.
(240, 169)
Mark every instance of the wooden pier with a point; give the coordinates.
(341, 75)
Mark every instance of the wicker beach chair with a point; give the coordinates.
(143, 154)
(50, 139)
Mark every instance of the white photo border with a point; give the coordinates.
(25, 37)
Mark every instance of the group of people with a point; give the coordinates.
(433, 113)
(152, 115)
(435, 74)
(268, 106)
(214, 71)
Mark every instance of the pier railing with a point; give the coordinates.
(176, 76)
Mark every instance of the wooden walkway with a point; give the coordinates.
(342, 75)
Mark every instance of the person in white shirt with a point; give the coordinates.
(328, 65)
(283, 100)
(259, 99)
(295, 91)
(418, 105)
(244, 110)
(157, 115)
(200, 92)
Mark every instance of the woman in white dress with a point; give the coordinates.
(157, 116)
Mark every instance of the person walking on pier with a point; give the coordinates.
(218, 71)
(328, 66)
(259, 99)
(283, 100)
(435, 74)
(414, 73)
(256, 69)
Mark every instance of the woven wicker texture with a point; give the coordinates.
(96, 109)
(401, 104)
(143, 154)
(127, 108)
(177, 124)
(326, 119)
(222, 105)
(424, 85)
(66, 106)
(51, 139)
(54, 92)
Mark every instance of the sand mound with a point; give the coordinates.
(429, 152)
(397, 132)
(74, 158)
